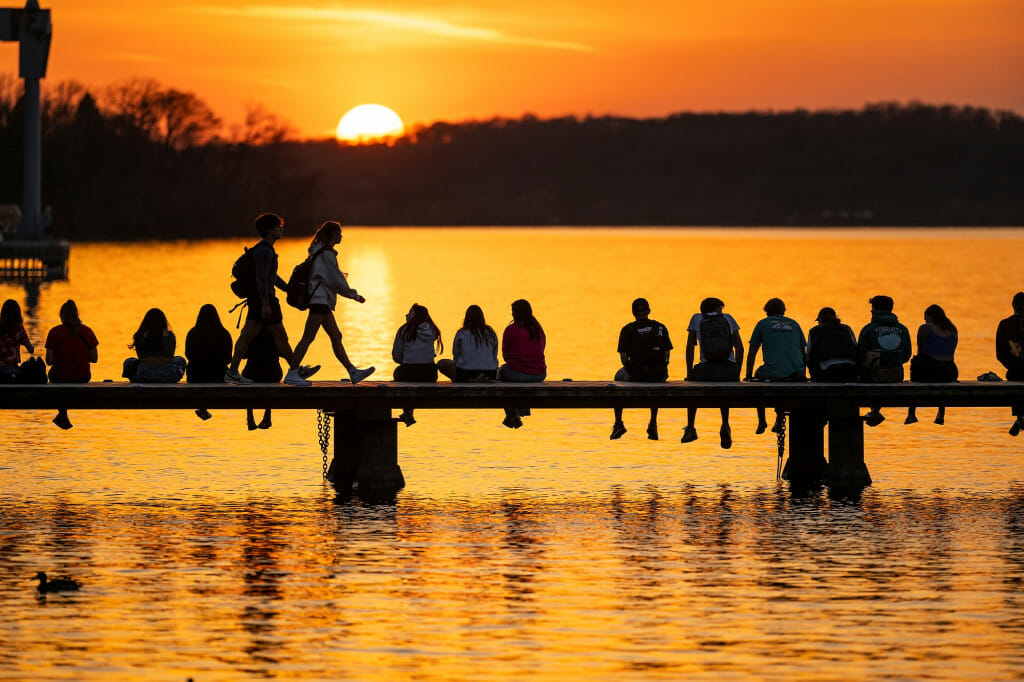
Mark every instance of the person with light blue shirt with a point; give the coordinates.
(783, 348)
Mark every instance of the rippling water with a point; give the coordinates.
(212, 552)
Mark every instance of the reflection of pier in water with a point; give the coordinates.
(366, 438)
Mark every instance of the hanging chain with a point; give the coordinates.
(323, 432)
(781, 436)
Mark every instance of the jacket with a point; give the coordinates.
(326, 281)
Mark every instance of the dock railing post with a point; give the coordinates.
(366, 453)
(846, 467)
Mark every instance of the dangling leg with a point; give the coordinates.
(652, 425)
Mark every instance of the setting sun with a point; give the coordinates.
(368, 123)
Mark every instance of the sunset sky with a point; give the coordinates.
(310, 61)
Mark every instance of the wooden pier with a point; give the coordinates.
(366, 439)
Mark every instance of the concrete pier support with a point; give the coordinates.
(366, 454)
(846, 465)
(806, 463)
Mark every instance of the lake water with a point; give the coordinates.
(213, 552)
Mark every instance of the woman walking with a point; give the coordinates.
(326, 283)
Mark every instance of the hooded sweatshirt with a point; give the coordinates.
(326, 281)
(884, 342)
(418, 351)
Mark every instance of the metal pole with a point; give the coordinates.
(31, 219)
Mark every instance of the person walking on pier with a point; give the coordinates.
(474, 350)
(70, 349)
(522, 349)
(644, 348)
(154, 344)
(936, 344)
(1010, 352)
(263, 308)
(883, 346)
(326, 283)
(832, 350)
(783, 353)
(417, 343)
(208, 351)
(717, 335)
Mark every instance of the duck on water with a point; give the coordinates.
(58, 585)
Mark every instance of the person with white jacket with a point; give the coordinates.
(326, 283)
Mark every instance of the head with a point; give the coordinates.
(474, 318)
(69, 314)
(10, 314)
(775, 306)
(711, 305)
(934, 314)
(267, 222)
(328, 234)
(881, 304)
(827, 316)
(153, 326)
(1018, 303)
(641, 308)
(419, 315)
(521, 311)
(208, 317)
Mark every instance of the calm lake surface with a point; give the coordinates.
(212, 552)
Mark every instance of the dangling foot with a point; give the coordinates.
(940, 419)
(265, 423)
(762, 426)
(689, 435)
(406, 418)
(652, 431)
(911, 418)
(1015, 428)
(618, 430)
(874, 418)
(203, 413)
(62, 421)
(250, 423)
(726, 435)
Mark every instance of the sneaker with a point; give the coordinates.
(356, 375)
(940, 420)
(203, 413)
(618, 430)
(62, 421)
(762, 426)
(652, 431)
(233, 377)
(689, 435)
(1014, 430)
(725, 434)
(873, 418)
(407, 418)
(512, 421)
(306, 371)
(292, 378)
(265, 423)
(250, 423)
(911, 419)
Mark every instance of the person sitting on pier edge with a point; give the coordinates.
(933, 364)
(154, 343)
(522, 349)
(832, 350)
(1010, 352)
(474, 351)
(262, 366)
(70, 349)
(717, 335)
(326, 283)
(12, 338)
(417, 343)
(882, 347)
(644, 348)
(263, 307)
(783, 353)
(208, 351)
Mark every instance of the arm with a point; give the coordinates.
(737, 348)
(755, 345)
(335, 278)
(25, 342)
(922, 334)
(691, 345)
(398, 346)
(908, 349)
(49, 356)
(624, 358)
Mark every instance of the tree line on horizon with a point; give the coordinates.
(140, 160)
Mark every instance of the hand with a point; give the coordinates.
(361, 299)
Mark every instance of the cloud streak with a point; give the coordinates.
(412, 23)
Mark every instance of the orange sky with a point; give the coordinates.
(310, 61)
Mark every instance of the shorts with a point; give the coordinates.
(715, 370)
(624, 375)
(255, 310)
(471, 376)
(418, 373)
(927, 369)
(319, 309)
(761, 374)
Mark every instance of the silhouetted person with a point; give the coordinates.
(782, 343)
(644, 348)
(154, 344)
(417, 343)
(717, 335)
(326, 283)
(522, 349)
(883, 346)
(208, 351)
(13, 338)
(262, 305)
(70, 350)
(933, 364)
(474, 350)
(262, 366)
(832, 350)
(1010, 352)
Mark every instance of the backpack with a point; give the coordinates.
(244, 282)
(297, 293)
(832, 342)
(647, 355)
(715, 337)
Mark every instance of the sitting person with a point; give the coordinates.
(933, 364)
(522, 348)
(414, 351)
(474, 351)
(832, 350)
(721, 355)
(13, 338)
(70, 349)
(154, 343)
(882, 347)
(644, 348)
(1010, 353)
(262, 366)
(208, 351)
(784, 348)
